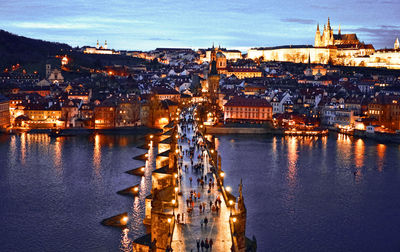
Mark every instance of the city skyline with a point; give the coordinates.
(145, 26)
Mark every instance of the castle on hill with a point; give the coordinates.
(327, 38)
(338, 49)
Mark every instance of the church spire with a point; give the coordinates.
(318, 27)
(397, 44)
(339, 30)
(329, 24)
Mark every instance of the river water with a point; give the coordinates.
(301, 194)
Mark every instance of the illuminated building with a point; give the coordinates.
(231, 55)
(104, 115)
(83, 95)
(385, 109)
(117, 112)
(128, 112)
(43, 117)
(4, 112)
(327, 38)
(99, 49)
(340, 49)
(164, 93)
(244, 72)
(69, 113)
(242, 109)
(56, 77)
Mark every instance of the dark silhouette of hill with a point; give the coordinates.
(18, 49)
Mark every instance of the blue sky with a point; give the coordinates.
(145, 25)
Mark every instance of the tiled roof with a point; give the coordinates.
(164, 90)
(244, 69)
(247, 102)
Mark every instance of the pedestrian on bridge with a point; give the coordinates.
(206, 244)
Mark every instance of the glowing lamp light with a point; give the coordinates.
(142, 169)
(173, 202)
(222, 174)
(163, 120)
(176, 175)
(228, 189)
(176, 151)
(146, 155)
(169, 220)
(212, 151)
(151, 136)
(176, 136)
(176, 189)
(231, 202)
(124, 219)
(135, 189)
(234, 219)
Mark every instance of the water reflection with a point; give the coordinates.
(126, 243)
(57, 157)
(343, 150)
(292, 143)
(12, 153)
(97, 156)
(359, 151)
(380, 149)
(23, 148)
(274, 150)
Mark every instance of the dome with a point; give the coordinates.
(220, 55)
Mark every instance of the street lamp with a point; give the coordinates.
(124, 220)
(230, 204)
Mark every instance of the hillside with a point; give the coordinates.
(33, 54)
(26, 51)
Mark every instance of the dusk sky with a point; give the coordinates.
(145, 25)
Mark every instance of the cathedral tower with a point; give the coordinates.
(326, 38)
(317, 42)
(213, 83)
(397, 44)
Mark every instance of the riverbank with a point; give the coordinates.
(381, 137)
